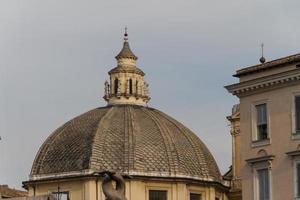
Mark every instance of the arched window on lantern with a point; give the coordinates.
(130, 86)
(137, 87)
(116, 85)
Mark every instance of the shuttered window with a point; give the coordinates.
(263, 184)
(297, 113)
(157, 195)
(194, 196)
(261, 121)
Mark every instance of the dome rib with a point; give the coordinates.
(128, 140)
(169, 119)
(131, 138)
(197, 148)
(199, 155)
(96, 140)
(103, 152)
(151, 156)
(166, 141)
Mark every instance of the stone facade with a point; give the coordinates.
(272, 85)
(234, 174)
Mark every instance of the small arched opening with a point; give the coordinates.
(130, 86)
(116, 85)
(137, 87)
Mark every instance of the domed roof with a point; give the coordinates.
(131, 139)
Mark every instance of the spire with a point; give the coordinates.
(126, 51)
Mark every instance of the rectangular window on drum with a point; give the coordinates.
(297, 114)
(61, 195)
(263, 184)
(261, 121)
(157, 195)
(194, 196)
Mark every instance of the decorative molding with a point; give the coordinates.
(260, 143)
(268, 158)
(268, 65)
(261, 84)
(121, 69)
(293, 153)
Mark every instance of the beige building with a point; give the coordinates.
(234, 174)
(267, 156)
(165, 160)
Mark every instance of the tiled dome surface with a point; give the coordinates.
(135, 140)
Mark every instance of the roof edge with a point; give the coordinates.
(268, 65)
(92, 173)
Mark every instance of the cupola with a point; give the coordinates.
(126, 84)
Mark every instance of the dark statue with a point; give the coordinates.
(111, 193)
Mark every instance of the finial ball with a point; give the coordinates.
(262, 60)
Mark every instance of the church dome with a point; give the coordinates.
(131, 139)
(126, 136)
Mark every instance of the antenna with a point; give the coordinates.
(262, 59)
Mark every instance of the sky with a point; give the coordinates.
(55, 55)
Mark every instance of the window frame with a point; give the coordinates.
(197, 190)
(254, 126)
(296, 161)
(159, 188)
(266, 170)
(295, 133)
(261, 166)
(196, 193)
(62, 192)
(264, 122)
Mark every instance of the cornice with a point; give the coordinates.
(120, 69)
(265, 83)
(268, 65)
(293, 153)
(260, 159)
(131, 175)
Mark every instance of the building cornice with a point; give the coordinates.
(120, 69)
(132, 175)
(268, 65)
(261, 84)
(293, 153)
(260, 159)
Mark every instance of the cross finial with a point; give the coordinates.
(262, 59)
(125, 34)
